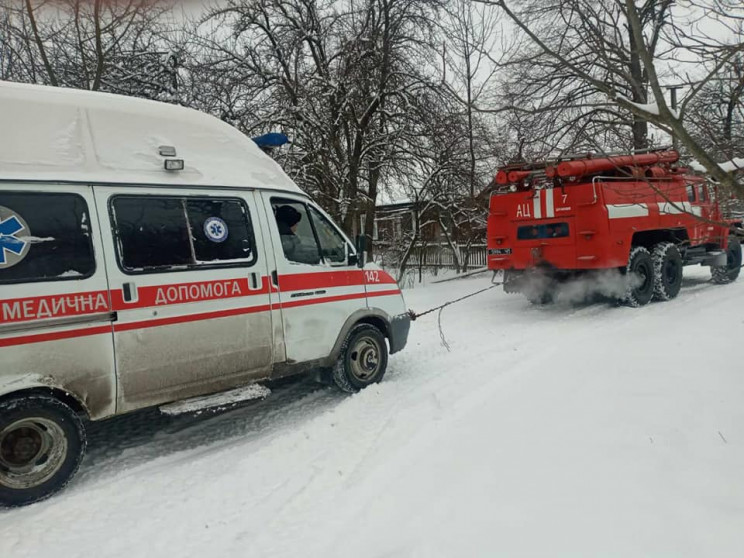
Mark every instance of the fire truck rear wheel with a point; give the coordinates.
(640, 276)
(668, 268)
(539, 287)
(540, 299)
(729, 272)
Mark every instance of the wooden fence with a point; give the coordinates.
(439, 256)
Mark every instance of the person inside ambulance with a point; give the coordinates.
(294, 246)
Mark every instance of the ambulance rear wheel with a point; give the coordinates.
(668, 268)
(363, 359)
(640, 278)
(729, 272)
(42, 442)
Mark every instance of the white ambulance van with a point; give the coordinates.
(150, 253)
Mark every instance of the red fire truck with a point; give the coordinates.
(639, 218)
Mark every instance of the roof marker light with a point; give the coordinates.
(167, 151)
(174, 164)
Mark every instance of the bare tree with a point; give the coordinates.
(433, 167)
(335, 77)
(718, 125)
(109, 46)
(597, 64)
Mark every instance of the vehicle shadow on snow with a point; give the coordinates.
(697, 283)
(133, 439)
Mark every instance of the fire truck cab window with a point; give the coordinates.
(690, 193)
(701, 193)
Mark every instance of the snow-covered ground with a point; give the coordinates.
(560, 431)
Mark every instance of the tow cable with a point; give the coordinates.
(414, 316)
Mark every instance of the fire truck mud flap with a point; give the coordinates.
(513, 280)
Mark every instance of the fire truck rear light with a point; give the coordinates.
(587, 258)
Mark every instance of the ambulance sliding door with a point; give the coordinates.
(189, 283)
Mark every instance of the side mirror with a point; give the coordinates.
(361, 249)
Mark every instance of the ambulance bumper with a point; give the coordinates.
(399, 327)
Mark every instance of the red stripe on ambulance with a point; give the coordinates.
(181, 293)
(321, 280)
(54, 336)
(55, 306)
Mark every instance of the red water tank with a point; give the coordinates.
(592, 166)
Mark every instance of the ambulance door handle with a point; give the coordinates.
(254, 283)
(275, 278)
(129, 292)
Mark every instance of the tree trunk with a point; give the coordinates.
(369, 220)
(40, 45)
(99, 46)
(640, 96)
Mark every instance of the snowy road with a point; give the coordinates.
(562, 431)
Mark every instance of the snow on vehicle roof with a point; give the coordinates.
(69, 135)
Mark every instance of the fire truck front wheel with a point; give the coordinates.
(729, 272)
(640, 278)
(667, 271)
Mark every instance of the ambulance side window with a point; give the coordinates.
(332, 244)
(296, 233)
(221, 230)
(152, 232)
(44, 237)
(158, 233)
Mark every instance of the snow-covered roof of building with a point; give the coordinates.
(69, 135)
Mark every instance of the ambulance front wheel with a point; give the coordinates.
(42, 442)
(363, 359)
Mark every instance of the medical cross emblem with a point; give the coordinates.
(9, 243)
(215, 229)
